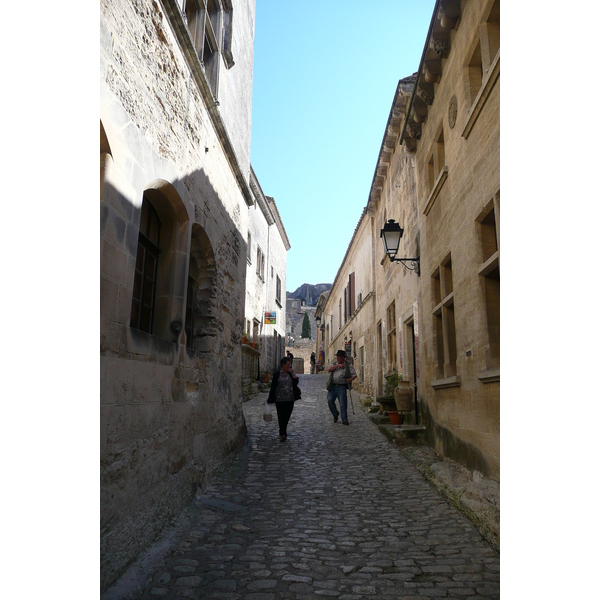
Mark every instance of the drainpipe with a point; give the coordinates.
(374, 309)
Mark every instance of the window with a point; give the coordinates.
(361, 364)
(249, 249)
(205, 24)
(489, 34)
(278, 290)
(351, 294)
(483, 67)
(391, 338)
(201, 304)
(443, 321)
(474, 74)
(260, 263)
(437, 160)
(340, 312)
(436, 170)
(489, 272)
(146, 265)
(192, 292)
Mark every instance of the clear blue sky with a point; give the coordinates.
(325, 74)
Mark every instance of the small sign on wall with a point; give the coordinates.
(271, 318)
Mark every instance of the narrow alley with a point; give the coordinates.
(331, 512)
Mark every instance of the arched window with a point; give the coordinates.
(200, 322)
(105, 157)
(146, 267)
(157, 297)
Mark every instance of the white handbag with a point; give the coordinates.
(268, 412)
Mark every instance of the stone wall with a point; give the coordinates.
(459, 204)
(170, 410)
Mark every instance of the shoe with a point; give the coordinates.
(282, 438)
(345, 423)
(335, 419)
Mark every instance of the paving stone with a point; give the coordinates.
(194, 580)
(334, 512)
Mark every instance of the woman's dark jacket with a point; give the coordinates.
(272, 391)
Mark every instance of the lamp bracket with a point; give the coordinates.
(412, 264)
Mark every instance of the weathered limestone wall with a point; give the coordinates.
(395, 285)
(169, 413)
(463, 410)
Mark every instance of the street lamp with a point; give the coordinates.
(392, 234)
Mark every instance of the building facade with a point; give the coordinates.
(453, 128)
(265, 312)
(175, 116)
(435, 321)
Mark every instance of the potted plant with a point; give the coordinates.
(403, 395)
(387, 401)
(244, 337)
(265, 376)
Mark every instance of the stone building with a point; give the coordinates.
(453, 127)
(435, 320)
(175, 196)
(267, 245)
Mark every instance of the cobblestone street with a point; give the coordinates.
(334, 512)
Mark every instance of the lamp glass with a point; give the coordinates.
(391, 234)
(318, 321)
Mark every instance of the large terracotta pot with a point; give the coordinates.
(403, 396)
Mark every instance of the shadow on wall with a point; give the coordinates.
(452, 446)
(173, 268)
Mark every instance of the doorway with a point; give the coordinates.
(413, 367)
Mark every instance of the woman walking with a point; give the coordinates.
(284, 390)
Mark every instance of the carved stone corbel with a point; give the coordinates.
(432, 70)
(413, 130)
(411, 145)
(449, 13)
(424, 95)
(441, 47)
(419, 111)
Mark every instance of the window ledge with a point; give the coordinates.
(486, 87)
(447, 382)
(489, 375)
(447, 302)
(490, 264)
(278, 302)
(439, 183)
(249, 260)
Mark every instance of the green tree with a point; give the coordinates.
(306, 327)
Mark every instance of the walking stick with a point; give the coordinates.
(351, 402)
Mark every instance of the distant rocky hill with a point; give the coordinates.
(309, 293)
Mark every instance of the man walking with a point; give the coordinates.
(342, 374)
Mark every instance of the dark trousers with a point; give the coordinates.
(284, 412)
